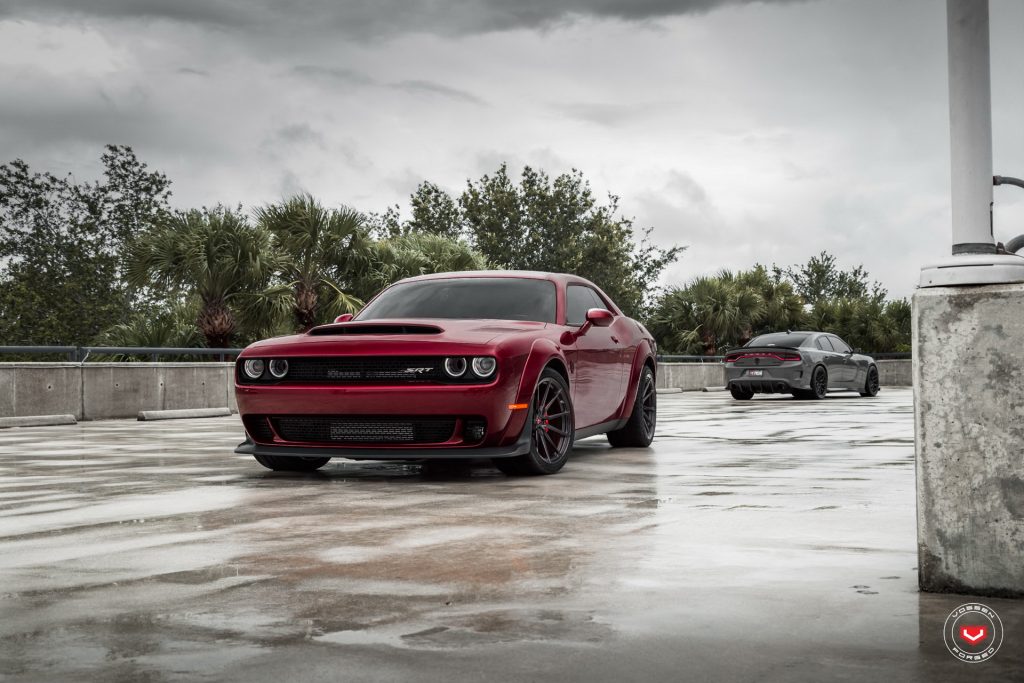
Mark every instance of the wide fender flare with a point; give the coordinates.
(542, 352)
(644, 352)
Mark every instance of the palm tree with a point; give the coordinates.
(726, 310)
(218, 257)
(417, 253)
(783, 307)
(173, 327)
(709, 314)
(322, 251)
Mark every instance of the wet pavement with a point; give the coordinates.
(771, 540)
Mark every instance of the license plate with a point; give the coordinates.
(755, 373)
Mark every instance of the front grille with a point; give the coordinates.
(399, 430)
(368, 370)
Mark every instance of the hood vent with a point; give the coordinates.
(373, 328)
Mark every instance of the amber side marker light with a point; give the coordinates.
(518, 406)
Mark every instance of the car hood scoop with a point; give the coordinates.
(374, 328)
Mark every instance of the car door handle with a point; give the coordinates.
(615, 339)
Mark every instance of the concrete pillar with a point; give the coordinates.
(969, 424)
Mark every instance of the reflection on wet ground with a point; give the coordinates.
(771, 540)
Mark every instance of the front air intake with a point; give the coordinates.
(365, 429)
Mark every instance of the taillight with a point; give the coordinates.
(783, 356)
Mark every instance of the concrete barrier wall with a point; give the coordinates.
(696, 376)
(690, 376)
(895, 373)
(97, 391)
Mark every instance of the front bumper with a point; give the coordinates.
(489, 403)
(519, 447)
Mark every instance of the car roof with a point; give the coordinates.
(519, 274)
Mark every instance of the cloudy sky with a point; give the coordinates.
(749, 131)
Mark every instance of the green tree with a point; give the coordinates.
(783, 307)
(321, 252)
(414, 254)
(173, 326)
(434, 212)
(62, 247)
(543, 224)
(820, 278)
(707, 316)
(227, 264)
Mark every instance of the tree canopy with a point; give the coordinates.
(711, 314)
(110, 262)
(62, 247)
(540, 223)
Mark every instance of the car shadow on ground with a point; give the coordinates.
(412, 471)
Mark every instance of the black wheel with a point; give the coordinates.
(638, 432)
(552, 424)
(741, 394)
(871, 383)
(290, 463)
(819, 384)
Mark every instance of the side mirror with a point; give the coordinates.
(343, 318)
(599, 317)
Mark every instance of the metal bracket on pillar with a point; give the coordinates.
(974, 260)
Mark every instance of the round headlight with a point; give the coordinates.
(279, 367)
(484, 366)
(455, 366)
(253, 368)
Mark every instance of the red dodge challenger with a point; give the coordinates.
(508, 365)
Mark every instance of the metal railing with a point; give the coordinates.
(79, 354)
(902, 355)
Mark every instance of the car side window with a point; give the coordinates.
(840, 345)
(824, 344)
(578, 300)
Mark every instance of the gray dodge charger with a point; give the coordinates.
(805, 364)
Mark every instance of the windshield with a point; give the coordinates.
(494, 298)
(784, 339)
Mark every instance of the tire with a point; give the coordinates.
(741, 394)
(638, 432)
(291, 463)
(552, 432)
(819, 384)
(871, 387)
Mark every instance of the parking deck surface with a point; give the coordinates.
(771, 540)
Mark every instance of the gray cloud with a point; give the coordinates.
(299, 133)
(364, 18)
(430, 88)
(603, 113)
(217, 12)
(348, 77)
(334, 74)
(730, 131)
